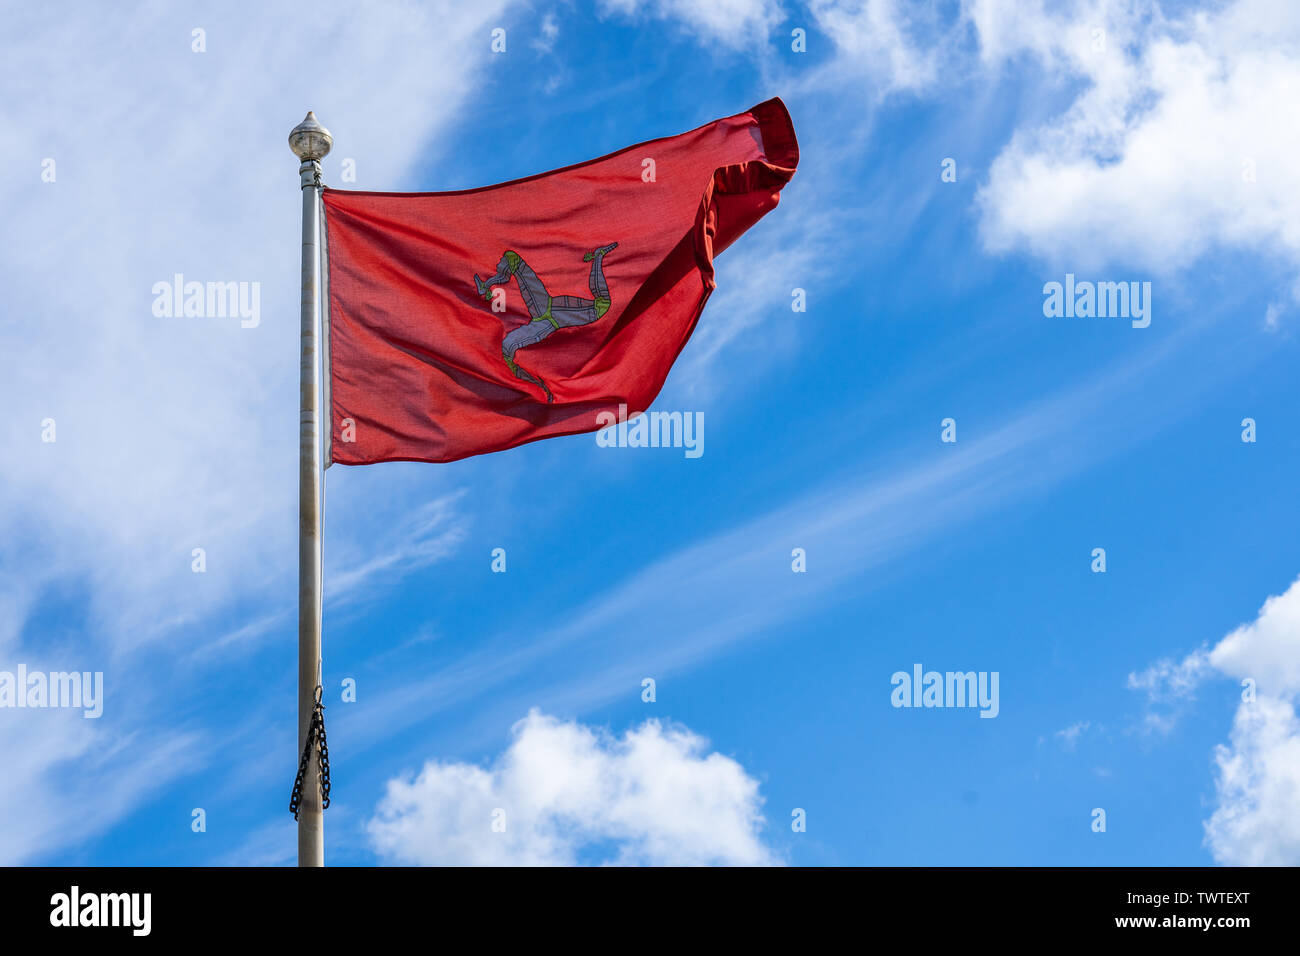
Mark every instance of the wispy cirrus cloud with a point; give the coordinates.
(730, 23)
(1068, 737)
(727, 589)
(172, 433)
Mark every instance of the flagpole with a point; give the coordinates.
(310, 142)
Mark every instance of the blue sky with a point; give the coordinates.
(1148, 152)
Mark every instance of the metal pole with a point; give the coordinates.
(310, 142)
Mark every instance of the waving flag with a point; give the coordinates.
(468, 322)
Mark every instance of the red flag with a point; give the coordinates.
(468, 322)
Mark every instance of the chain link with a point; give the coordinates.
(315, 735)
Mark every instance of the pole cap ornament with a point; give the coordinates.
(309, 140)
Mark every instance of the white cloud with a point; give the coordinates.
(1168, 146)
(1256, 820)
(651, 797)
(1257, 817)
(1151, 165)
(1267, 650)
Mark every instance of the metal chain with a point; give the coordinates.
(315, 734)
(319, 718)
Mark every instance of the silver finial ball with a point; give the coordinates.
(309, 140)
